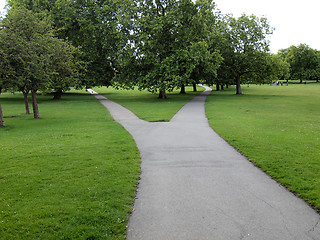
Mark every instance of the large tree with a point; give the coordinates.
(166, 45)
(65, 66)
(32, 48)
(95, 26)
(244, 48)
(4, 83)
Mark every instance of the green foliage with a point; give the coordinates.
(34, 59)
(70, 175)
(304, 62)
(167, 44)
(65, 66)
(277, 129)
(244, 48)
(99, 27)
(23, 40)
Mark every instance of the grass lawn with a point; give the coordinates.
(71, 174)
(277, 128)
(147, 106)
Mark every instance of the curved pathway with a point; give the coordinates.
(195, 186)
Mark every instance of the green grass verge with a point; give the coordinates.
(71, 174)
(277, 128)
(146, 105)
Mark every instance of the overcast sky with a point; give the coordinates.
(294, 21)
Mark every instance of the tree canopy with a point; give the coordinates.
(168, 42)
(244, 48)
(35, 57)
(304, 62)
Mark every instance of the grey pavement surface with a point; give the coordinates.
(195, 186)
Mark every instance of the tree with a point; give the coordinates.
(304, 62)
(278, 68)
(31, 46)
(244, 48)
(95, 26)
(5, 77)
(166, 46)
(2, 124)
(65, 66)
(24, 38)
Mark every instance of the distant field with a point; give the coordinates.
(72, 174)
(146, 105)
(277, 128)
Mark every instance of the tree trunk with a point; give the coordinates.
(300, 80)
(227, 85)
(194, 87)
(162, 94)
(35, 105)
(217, 87)
(221, 86)
(57, 95)
(183, 89)
(26, 102)
(1, 118)
(238, 85)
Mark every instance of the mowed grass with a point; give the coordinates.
(72, 174)
(277, 128)
(146, 105)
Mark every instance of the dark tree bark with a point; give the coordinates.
(162, 94)
(35, 105)
(217, 87)
(1, 118)
(183, 89)
(194, 87)
(227, 85)
(57, 95)
(26, 102)
(221, 86)
(238, 84)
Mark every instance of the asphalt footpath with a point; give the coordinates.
(196, 186)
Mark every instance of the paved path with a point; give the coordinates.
(196, 186)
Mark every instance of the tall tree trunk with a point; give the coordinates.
(227, 85)
(300, 80)
(26, 102)
(35, 105)
(162, 94)
(238, 84)
(1, 118)
(57, 95)
(183, 89)
(221, 86)
(194, 87)
(217, 87)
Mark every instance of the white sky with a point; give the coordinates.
(2, 4)
(294, 21)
